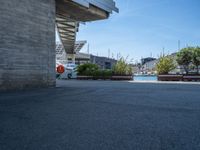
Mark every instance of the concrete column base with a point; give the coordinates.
(27, 45)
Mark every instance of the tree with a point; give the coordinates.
(196, 58)
(184, 58)
(165, 65)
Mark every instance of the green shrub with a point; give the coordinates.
(87, 69)
(122, 68)
(102, 74)
(165, 65)
(107, 73)
(97, 73)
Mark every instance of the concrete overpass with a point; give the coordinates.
(27, 33)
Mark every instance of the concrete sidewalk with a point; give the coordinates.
(102, 115)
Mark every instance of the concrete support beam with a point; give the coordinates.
(27, 44)
(78, 12)
(73, 58)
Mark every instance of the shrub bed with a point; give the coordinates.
(121, 71)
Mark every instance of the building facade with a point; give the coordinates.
(150, 67)
(147, 59)
(103, 62)
(81, 58)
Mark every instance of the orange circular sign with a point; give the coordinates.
(60, 69)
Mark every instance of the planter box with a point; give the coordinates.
(115, 77)
(169, 77)
(101, 78)
(194, 78)
(104, 78)
(92, 78)
(84, 77)
(187, 78)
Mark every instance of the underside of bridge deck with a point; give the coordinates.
(69, 14)
(75, 11)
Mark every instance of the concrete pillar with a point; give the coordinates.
(73, 58)
(27, 44)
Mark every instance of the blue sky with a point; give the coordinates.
(144, 28)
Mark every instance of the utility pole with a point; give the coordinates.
(179, 45)
(88, 49)
(163, 51)
(108, 53)
(112, 55)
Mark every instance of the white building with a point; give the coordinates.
(150, 67)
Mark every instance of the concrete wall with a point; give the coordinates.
(27, 44)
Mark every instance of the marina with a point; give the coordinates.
(145, 78)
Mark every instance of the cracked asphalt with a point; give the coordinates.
(102, 115)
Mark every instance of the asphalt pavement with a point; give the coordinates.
(102, 115)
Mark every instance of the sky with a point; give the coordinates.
(144, 28)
